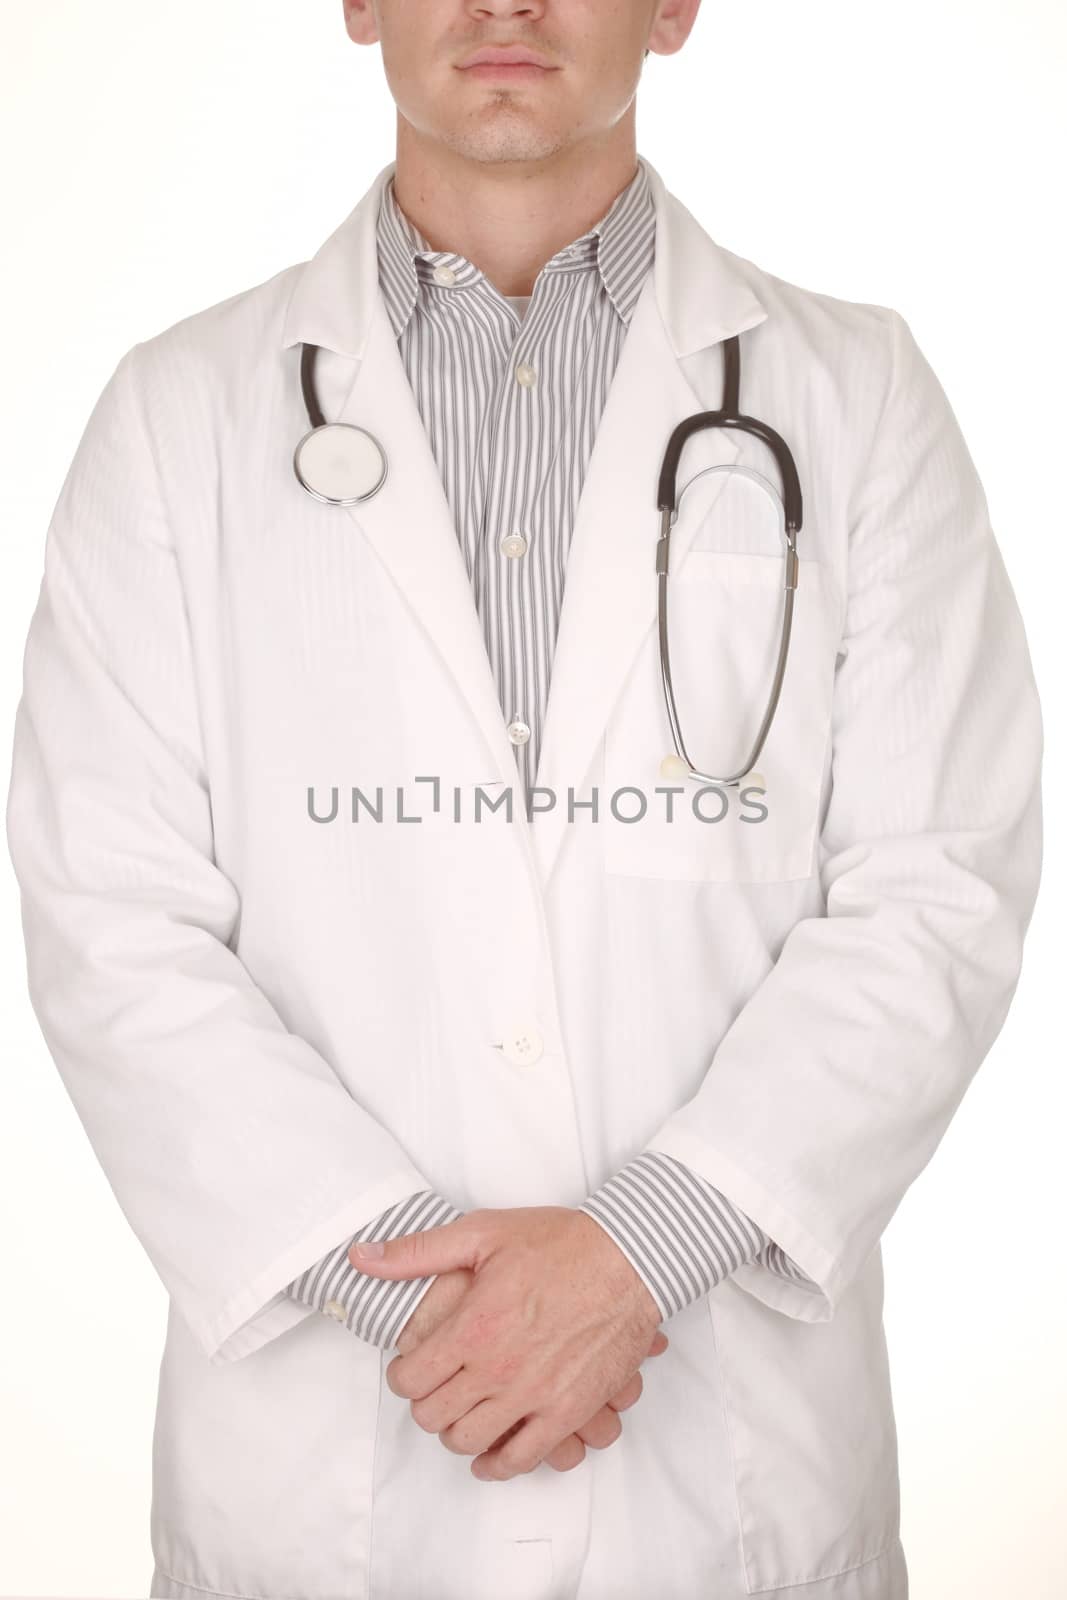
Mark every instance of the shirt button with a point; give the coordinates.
(524, 1046)
(526, 374)
(518, 731)
(444, 275)
(513, 544)
(334, 1308)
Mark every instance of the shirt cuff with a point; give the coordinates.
(375, 1309)
(681, 1235)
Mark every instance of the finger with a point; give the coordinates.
(415, 1255)
(481, 1428)
(567, 1455)
(448, 1403)
(515, 1426)
(435, 1360)
(602, 1429)
(659, 1343)
(628, 1394)
(440, 1299)
(521, 1453)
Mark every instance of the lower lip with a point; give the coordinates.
(506, 69)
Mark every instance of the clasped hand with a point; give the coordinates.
(546, 1323)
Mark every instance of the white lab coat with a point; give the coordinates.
(272, 1028)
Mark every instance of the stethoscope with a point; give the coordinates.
(336, 462)
(341, 464)
(790, 518)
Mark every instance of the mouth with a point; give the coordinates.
(505, 61)
(506, 69)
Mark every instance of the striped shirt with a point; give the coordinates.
(510, 390)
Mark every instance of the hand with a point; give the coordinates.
(555, 1322)
(598, 1431)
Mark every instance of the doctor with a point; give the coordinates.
(337, 930)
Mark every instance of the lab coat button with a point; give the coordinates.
(526, 374)
(513, 544)
(523, 1047)
(444, 275)
(334, 1308)
(518, 731)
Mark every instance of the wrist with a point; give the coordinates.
(627, 1283)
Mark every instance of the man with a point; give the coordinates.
(577, 1075)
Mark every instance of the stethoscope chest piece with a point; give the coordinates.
(340, 464)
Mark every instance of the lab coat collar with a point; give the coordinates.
(702, 294)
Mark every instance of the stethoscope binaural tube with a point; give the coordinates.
(792, 508)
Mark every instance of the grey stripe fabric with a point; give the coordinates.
(510, 391)
(682, 1235)
(373, 1308)
(511, 408)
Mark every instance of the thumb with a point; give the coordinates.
(416, 1255)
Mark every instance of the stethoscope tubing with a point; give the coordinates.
(728, 416)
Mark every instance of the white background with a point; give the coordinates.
(159, 158)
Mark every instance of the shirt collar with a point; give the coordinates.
(621, 246)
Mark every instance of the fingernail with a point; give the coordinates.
(370, 1248)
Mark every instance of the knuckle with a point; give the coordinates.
(628, 1394)
(518, 1457)
(394, 1377)
(568, 1455)
(422, 1415)
(462, 1441)
(450, 1444)
(602, 1430)
(412, 1249)
(414, 1329)
(566, 1408)
(612, 1429)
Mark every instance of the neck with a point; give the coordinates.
(509, 218)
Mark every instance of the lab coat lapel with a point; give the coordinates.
(670, 367)
(410, 525)
(337, 304)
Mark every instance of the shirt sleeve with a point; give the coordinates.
(375, 1309)
(679, 1233)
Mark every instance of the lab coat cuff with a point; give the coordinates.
(261, 1309)
(812, 1302)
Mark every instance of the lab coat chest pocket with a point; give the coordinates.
(724, 612)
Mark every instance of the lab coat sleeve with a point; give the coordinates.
(232, 1147)
(678, 1232)
(835, 1083)
(374, 1309)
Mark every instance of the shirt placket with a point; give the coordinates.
(514, 545)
